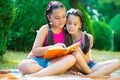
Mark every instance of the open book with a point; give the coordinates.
(55, 52)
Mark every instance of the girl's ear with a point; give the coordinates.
(80, 25)
(49, 18)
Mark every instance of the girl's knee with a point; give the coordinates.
(117, 61)
(71, 59)
(22, 66)
(76, 54)
(26, 67)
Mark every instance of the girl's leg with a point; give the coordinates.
(57, 66)
(29, 66)
(81, 64)
(105, 68)
(75, 68)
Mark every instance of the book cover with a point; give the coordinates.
(55, 52)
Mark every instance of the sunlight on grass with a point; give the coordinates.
(11, 59)
(104, 55)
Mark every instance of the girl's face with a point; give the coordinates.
(73, 24)
(58, 17)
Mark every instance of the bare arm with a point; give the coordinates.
(91, 40)
(87, 56)
(38, 49)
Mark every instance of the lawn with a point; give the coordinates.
(98, 55)
(11, 59)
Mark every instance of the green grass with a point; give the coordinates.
(11, 59)
(99, 56)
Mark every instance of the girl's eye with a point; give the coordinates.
(69, 23)
(75, 24)
(56, 17)
(64, 16)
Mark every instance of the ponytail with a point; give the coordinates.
(67, 39)
(86, 45)
(50, 37)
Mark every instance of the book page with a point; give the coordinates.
(55, 52)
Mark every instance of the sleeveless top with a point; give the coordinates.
(58, 38)
(80, 40)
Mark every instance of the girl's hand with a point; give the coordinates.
(60, 45)
(74, 50)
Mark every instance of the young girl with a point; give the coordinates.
(51, 34)
(75, 26)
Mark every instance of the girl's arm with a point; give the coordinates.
(38, 49)
(91, 40)
(87, 56)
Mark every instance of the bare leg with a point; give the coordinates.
(58, 66)
(29, 66)
(81, 64)
(105, 68)
(74, 68)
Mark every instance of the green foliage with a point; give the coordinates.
(7, 14)
(103, 36)
(115, 25)
(87, 22)
(66, 3)
(30, 16)
(106, 8)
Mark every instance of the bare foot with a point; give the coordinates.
(75, 73)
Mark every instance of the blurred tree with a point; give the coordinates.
(66, 3)
(106, 9)
(103, 36)
(30, 16)
(7, 14)
(115, 25)
(73, 4)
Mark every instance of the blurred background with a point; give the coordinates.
(19, 20)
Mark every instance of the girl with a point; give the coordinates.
(48, 35)
(75, 26)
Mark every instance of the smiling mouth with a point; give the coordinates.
(70, 30)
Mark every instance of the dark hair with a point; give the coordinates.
(51, 6)
(76, 12)
(86, 45)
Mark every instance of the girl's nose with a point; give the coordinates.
(61, 20)
(71, 26)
